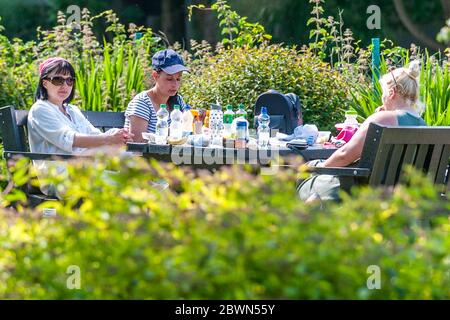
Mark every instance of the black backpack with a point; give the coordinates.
(284, 110)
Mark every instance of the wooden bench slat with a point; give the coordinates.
(395, 165)
(379, 168)
(105, 119)
(13, 124)
(448, 180)
(407, 135)
(434, 163)
(21, 117)
(347, 172)
(443, 165)
(421, 156)
(409, 156)
(12, 139)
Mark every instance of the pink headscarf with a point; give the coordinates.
(48, 62)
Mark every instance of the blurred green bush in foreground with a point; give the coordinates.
(228, 235)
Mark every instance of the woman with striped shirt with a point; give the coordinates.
(168, 67)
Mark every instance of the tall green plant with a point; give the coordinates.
(17, 71)
(110, 84)
(365, 94)
(330, 41)
(107, 80)
(434, 82)
(240, 75)
(237, 31)
(435, 91)
(108, 74)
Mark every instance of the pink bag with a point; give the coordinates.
(347, 133)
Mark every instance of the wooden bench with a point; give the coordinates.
(388, 150)
(14, 135)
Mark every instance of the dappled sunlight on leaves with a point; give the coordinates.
(229, 234)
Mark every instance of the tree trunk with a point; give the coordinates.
(416, 32)
(446, 8)
(173, 15)
(205, 22)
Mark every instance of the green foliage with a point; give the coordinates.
(435, 90)
(239, 75)
(200, 239)
(237, 31)
(108, 75)
(17, 70)
(434, 84)
(3, 171)
(444, 34)
(112, 70)
(319, 32)
(330, 41)
(365, 98)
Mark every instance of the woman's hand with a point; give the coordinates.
(128, 135)
(111, 137)
(120, 136)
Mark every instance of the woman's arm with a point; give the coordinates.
(119, 137)
(351, 152)
(137, 126)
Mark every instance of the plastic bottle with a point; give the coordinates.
(241, 112)
(187, 120)
(263, 128)
(350, 118)
(310, 133)
(198, 125)
(176, 130)
(241, 134)
(162, 125)
(228, 118)
(206, 121)
(216, 125)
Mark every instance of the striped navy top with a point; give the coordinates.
(142, 107)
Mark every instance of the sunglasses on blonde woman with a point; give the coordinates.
(395, 81)
(59, 81)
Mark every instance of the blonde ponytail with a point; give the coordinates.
(413, 69)
(406, 82)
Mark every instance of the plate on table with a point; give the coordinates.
(150, 137)
(297, 144)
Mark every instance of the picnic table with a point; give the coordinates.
(213, 156)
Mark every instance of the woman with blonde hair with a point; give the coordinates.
(401, 107)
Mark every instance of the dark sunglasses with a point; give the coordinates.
(59, 81)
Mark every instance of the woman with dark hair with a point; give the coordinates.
(168, 67)
(55, 126)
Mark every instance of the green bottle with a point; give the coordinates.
(241, 112)
(228, 116)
